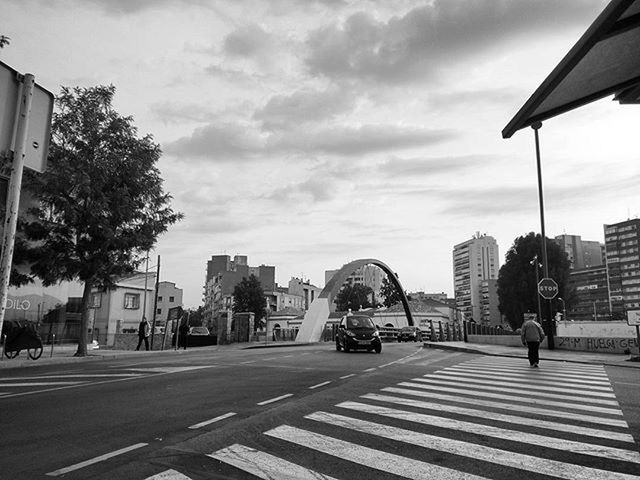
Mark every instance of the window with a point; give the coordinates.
(159, 298)
(159, 311)
(96, 300)
(131, 301)
(171, 299)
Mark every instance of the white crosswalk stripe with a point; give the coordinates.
(490, 414)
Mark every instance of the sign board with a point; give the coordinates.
(529, 316)
(39, 119)
(548, 288)
(174, 314)
(633, 317)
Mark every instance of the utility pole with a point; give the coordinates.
(155, 303)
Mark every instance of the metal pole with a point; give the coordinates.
(13, 193)
(155, 304)
(545, 264)
(146, 276)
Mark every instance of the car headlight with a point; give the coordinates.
(376, 334)
(350, 333)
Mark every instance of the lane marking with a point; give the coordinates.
(71, 375)
(92, 461)
(247, 362)
(281, 397)
(511, 407)
(320, 385)
(38, 384)
(369, 457)
(604, 386)
(264, 465)
(515, 398)
(534, 373)
(169, 475)
(347, 376)
(545, 466)
(370, 370)
(543, 391)
(500, 433)
(488, 415)
(213, 420)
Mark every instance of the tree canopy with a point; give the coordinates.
(248, 296)
(389, 293)
(354, 297)
(100, 203)
(517, 288)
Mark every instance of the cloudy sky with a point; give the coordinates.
(306, 134)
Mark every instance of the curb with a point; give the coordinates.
(508, 355)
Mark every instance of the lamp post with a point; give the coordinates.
(537, 265)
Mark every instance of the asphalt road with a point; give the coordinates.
(303, 412)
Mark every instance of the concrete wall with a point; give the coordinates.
(595, 329)
(578, 344)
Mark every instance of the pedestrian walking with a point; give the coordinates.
(183, 332)
(532, 336)
(144, 329)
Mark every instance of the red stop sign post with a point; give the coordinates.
(548, 288)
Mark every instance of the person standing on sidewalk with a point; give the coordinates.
(532, 336)
(143, 333)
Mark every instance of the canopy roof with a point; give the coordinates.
(605, 61)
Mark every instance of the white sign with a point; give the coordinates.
(39, 119)
(633, 317)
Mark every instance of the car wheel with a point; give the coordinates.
(346, 347)
(338, 347)
(378, 348)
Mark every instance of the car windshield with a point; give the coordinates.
(199, 330)
(359, 322)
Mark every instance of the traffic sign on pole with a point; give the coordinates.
(548, 288)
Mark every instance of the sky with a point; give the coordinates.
(307, 134)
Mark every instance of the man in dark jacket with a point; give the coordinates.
(144, 329)
(532, 336)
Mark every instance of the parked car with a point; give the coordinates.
(198, 331)
(410, 334)
(357, 332)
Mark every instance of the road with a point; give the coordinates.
(311, 412)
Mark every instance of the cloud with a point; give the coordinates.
(243, 141)
(122, 7)
(222, 142)
(415, 167)
(248, 41)
(428, 38)
(316, 189)
(178, 113)
(359, 140)
(304, 106)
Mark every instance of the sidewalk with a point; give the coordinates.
(618, 360)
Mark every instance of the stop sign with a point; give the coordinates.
(548, 288)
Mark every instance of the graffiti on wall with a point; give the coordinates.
(602, 345)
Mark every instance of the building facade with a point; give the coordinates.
(591, 295)
(474, 261)
(369, 275)
(622, 241)
(581, 253)
(489, 301)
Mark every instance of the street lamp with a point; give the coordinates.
(537, 264)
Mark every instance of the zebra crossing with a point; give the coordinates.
(489, 417)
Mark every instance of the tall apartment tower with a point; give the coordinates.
(474, 261)
(581, 253)
(622, 244)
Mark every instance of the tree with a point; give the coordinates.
(517, 288)
(4, 40)
(354, 297)
(389, 293)
(100, 203)
(248, 296)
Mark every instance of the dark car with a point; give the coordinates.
(357, 332)
(410, 334)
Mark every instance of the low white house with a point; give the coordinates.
(121, 308)
(422, 312)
